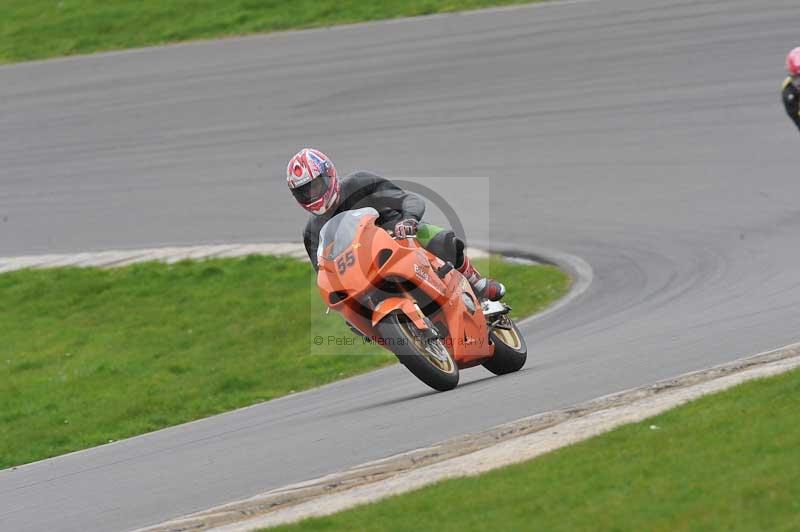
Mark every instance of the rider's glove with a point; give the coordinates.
(406, 228)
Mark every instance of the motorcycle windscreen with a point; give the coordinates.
(339, 232)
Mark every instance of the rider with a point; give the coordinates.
(791, 86)
(315, 185)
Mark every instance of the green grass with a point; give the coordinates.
(730, 461)
(38, 29)
(88, 355)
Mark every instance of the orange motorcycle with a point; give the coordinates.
(407, 300)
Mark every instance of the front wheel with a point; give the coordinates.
(510, 351)
(427, 359)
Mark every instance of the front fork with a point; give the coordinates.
(496, 314)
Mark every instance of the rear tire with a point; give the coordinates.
(398, 333)
(510, 350)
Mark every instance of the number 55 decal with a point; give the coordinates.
(345, 261)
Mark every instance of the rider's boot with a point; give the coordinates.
(484, 287)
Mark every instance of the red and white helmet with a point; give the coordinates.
(312, 179)
(793, 62)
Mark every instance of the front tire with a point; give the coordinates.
(428, 360)
(510, 350)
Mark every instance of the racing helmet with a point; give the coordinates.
(793, 62)
(312, 179)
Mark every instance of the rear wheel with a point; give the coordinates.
(427, 359)
(510, 351)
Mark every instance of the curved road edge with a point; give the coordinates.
(579, 271)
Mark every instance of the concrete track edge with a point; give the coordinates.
(469, 455)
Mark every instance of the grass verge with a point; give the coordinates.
(38, 29)
(729, 461)
(90, 355)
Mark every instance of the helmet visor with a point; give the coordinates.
(311, 191)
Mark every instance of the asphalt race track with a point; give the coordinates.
(646, 137)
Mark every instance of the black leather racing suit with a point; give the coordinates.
(791, 99)
(363, 189)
